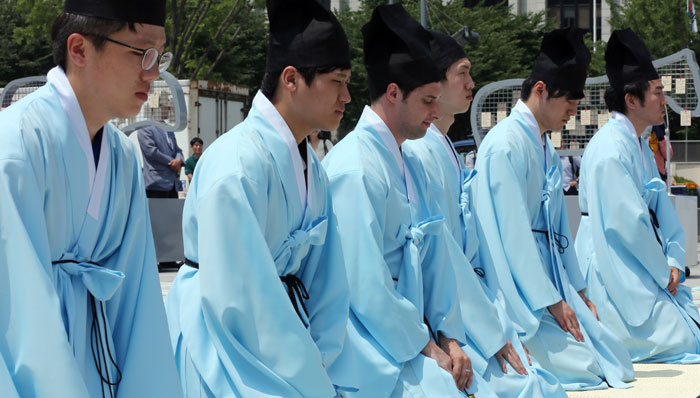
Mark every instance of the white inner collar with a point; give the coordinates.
(521, 107)
(447, 145)
(69, 102)
(625, 121)
(280, 126)
(387, 137)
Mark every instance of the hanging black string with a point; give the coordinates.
(560, 241)
(297, 292)
(295, 289)
(97, 330)
(655, 224)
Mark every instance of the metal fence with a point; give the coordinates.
(679, 73)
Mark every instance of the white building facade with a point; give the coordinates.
(341, 5)
(578, 13)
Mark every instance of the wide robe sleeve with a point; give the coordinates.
(136, 312)
(442, 306)
(359, 202)
(505, 220)
(478, 314)
(329, 298)
(245, 306)
(568, 256)
(624, 240)
(34, 345)
(671, 229)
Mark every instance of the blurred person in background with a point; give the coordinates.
(197, 147)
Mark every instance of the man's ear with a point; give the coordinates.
(77, 49)
(539, 89)
(631, 101)
(393, 93)
(290, 78)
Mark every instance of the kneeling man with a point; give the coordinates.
(630, 242)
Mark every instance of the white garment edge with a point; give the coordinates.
(280, 126)
(447, 144)
(390, 142)
(531, 120)
(69, 102)
(620, 117)
(521, 107)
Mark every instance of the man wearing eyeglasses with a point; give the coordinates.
(81, 312)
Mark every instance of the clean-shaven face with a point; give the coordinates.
(557, 112)
(417, 111)
(456, 89)
(322, 103)
(115, 72)
(654, 108)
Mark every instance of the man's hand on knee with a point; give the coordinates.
(461, 364)
(566, 317)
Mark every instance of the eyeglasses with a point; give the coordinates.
(150, 55)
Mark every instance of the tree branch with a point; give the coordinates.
(226, 23)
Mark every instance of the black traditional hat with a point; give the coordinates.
(445, 50)
(563, 61)
(151, 12)
(627, 60)
(304, 34)
(397, 50)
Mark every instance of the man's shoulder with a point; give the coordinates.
(41, 105)
(28, 125)
(352, 154)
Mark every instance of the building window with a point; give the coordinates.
(576, 13)
(474, 3)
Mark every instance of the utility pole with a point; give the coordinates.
(595, 21)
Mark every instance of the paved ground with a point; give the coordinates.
(653, 380)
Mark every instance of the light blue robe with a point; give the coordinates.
(445, 187)
(514, 197)
(398, 272)
(616, 242)
(249, 219)
(56, 205)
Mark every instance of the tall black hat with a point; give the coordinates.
(445, 50)
(151, 12)
(563, 61)
(304, 34)
(627, 60)
(397, 50)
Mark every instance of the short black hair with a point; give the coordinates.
(196, 140)
(270, 80)
(406, 90)
(552, 90)
(616, 100)
(94, 28)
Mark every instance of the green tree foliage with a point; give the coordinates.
(665, 27)
(201, 33)
(662, 24)
(507, 47)
(223, 40)
(22, 54)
